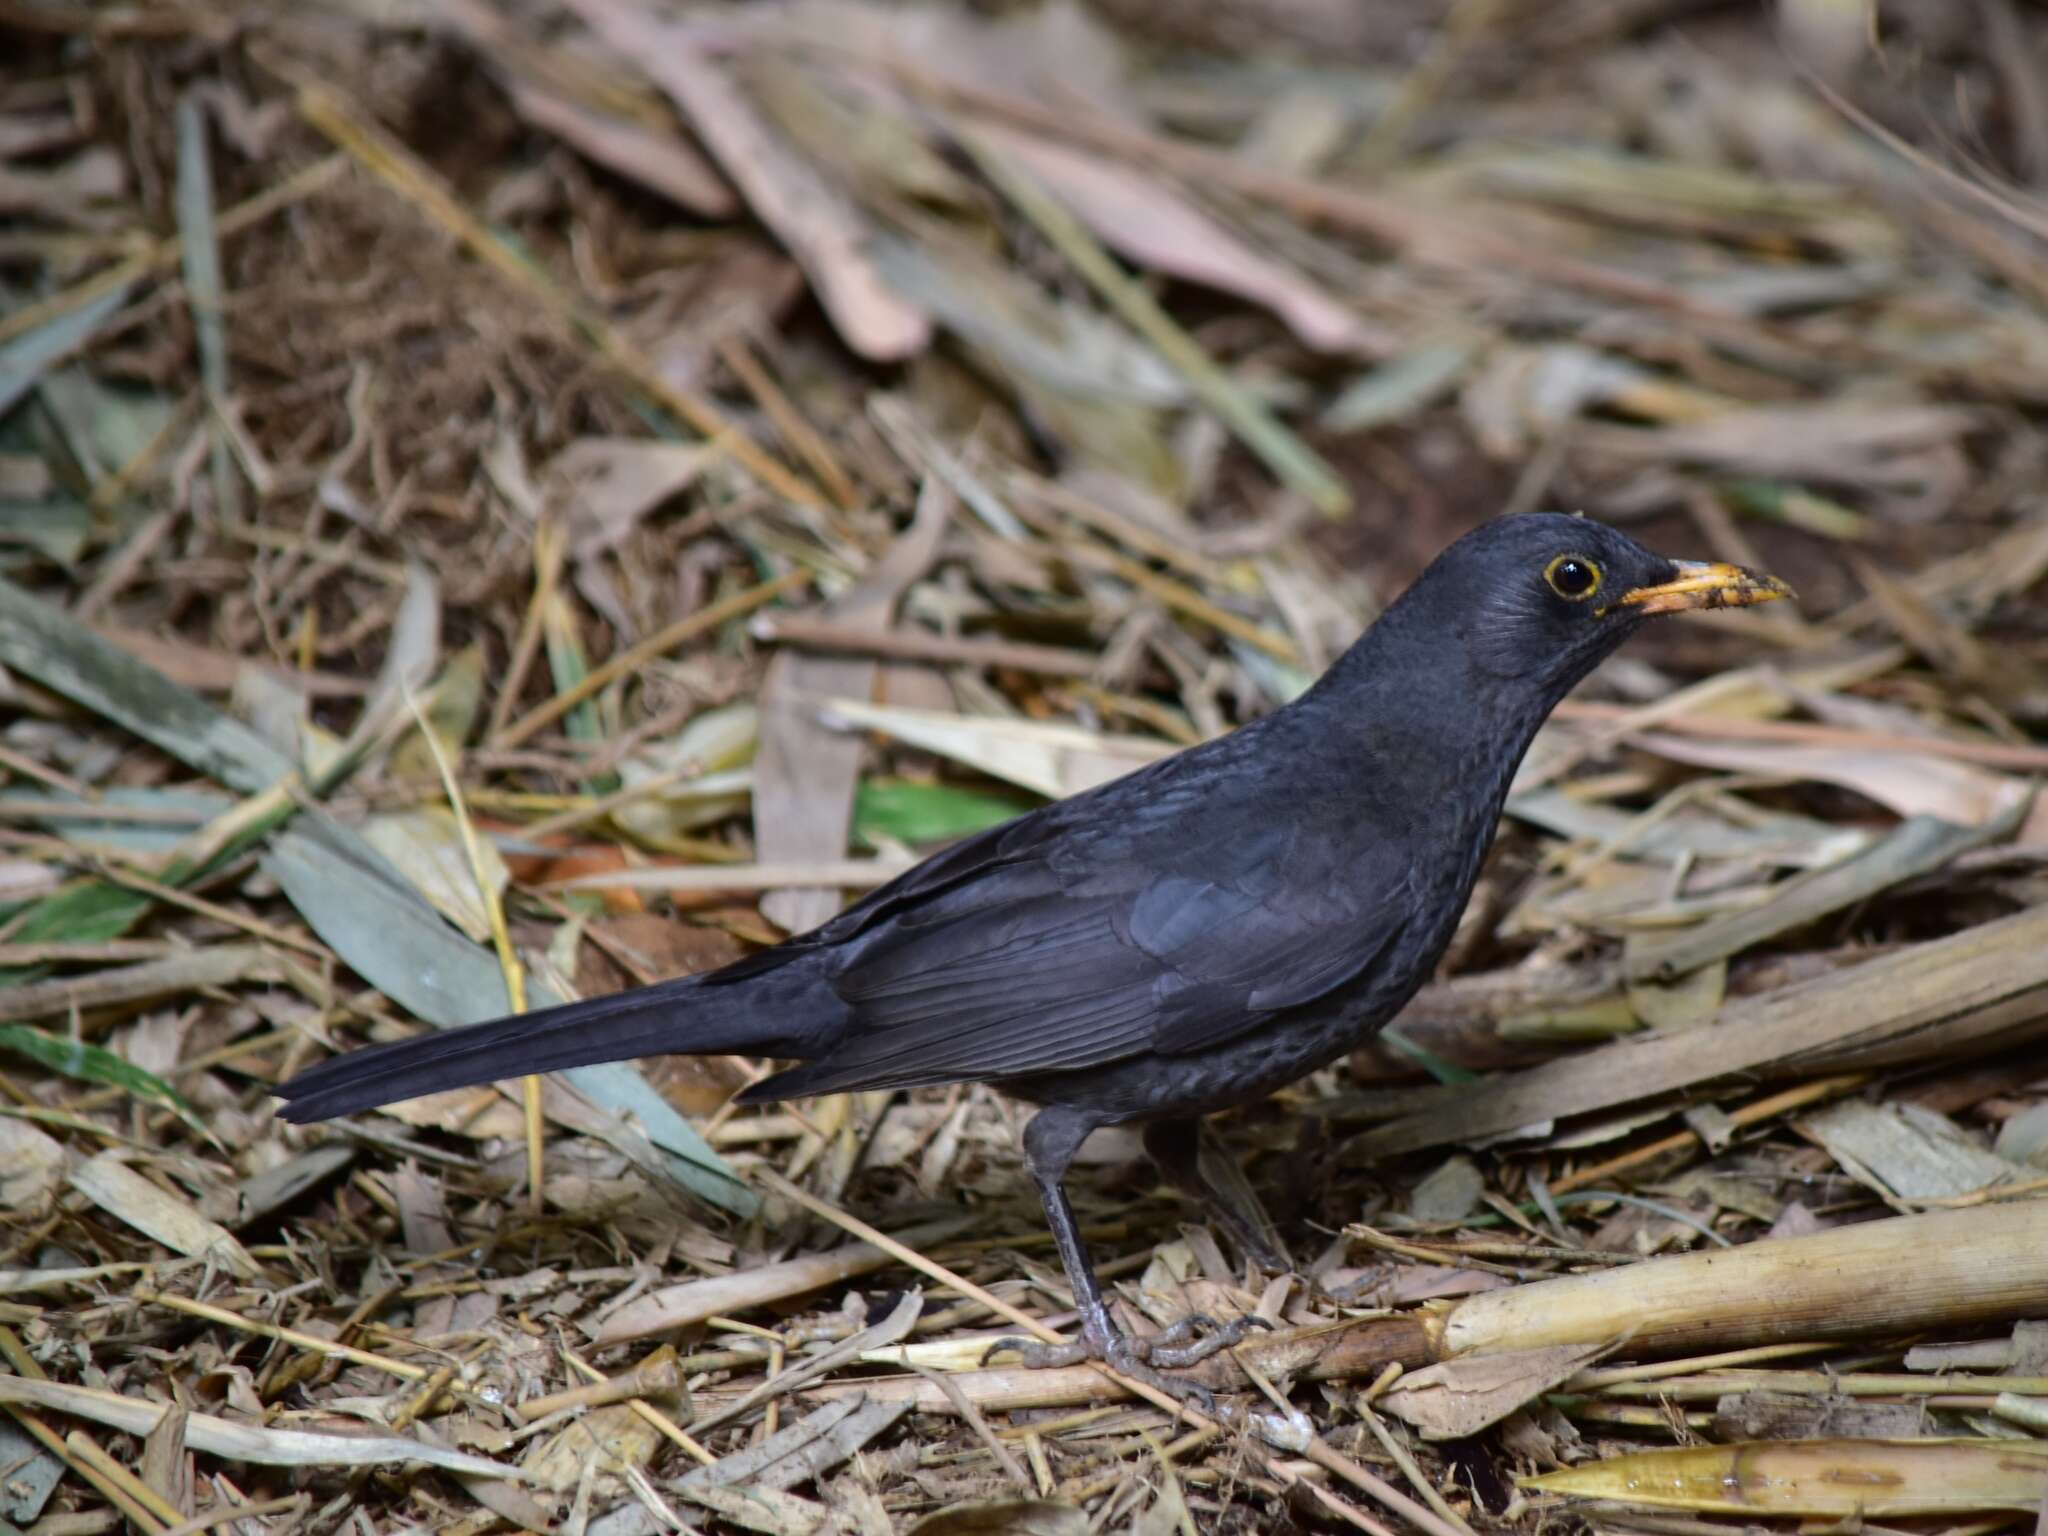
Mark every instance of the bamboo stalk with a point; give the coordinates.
(1906, 1274)
(1903, 1275)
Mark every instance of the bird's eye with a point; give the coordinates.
(1573, 577)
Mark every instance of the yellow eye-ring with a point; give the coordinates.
(1573, 577)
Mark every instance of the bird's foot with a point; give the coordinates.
(1145, 1358)
(1176, 1347)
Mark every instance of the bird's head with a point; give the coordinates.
(1540, 599)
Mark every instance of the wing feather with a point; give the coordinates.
(1103, 928)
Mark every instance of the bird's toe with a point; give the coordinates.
(1036, 1356)
(1133, 1358)
(1177, 1347)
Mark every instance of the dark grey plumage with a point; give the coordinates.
(1188, 937)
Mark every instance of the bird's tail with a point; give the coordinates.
(682, 1016)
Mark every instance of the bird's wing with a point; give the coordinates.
(1232, 955)
(1041, 985)
(1038, 965)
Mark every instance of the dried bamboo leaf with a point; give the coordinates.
(708, 761)
(1142, 216)
(426, 846)
(243, 1442)
(1061, 347)
(205, 292)
(31, 1166)
(24, 359)
(614, 1436)
(773, 1511)
(1462, 1397)
(805, 774)
(410, 651)
(1906, 783)
(1906, 1151)
(545, 95)
(274, 1188)
(1399, 387)
(598, 488)
(679, 1306)
(818, 226)
(1918, 846)
(1293, 462)
(1692, 832)
(450, 709)
(170, 1219)
(32, 1475)
(800, 1452)
(879, 1335)
(1052, 760)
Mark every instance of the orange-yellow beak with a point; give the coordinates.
(1699, 584)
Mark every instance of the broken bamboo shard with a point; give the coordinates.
(1944, 1269)
(1969, 992)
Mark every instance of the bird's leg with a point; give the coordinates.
(1175, 1146)
(1050, 1141)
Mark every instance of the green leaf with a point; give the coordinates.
(1443, 1071)
(63, 655)
(31, 355)
(913, 812)
(76, 1059)
(90, 913)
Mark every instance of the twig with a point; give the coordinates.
(636, 656)
(648, 1379)
(62, 1446)
(1749, 1114)
(796, 430)
(1012, 1468)
(1990, 754)
(811, 633)
(306, 1341)
(221, 1514)
(501, 942)
(652, 1416)
(549, 544)
(1406, 1462)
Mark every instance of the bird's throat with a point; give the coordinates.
(1430, 729)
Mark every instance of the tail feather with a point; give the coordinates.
(673, 1016)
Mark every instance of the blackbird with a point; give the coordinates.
(1187, 938)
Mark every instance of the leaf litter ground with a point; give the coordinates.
(507, 501)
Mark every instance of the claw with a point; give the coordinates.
(1146, 1358)
(1173, 1333)
(1127, 1359)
